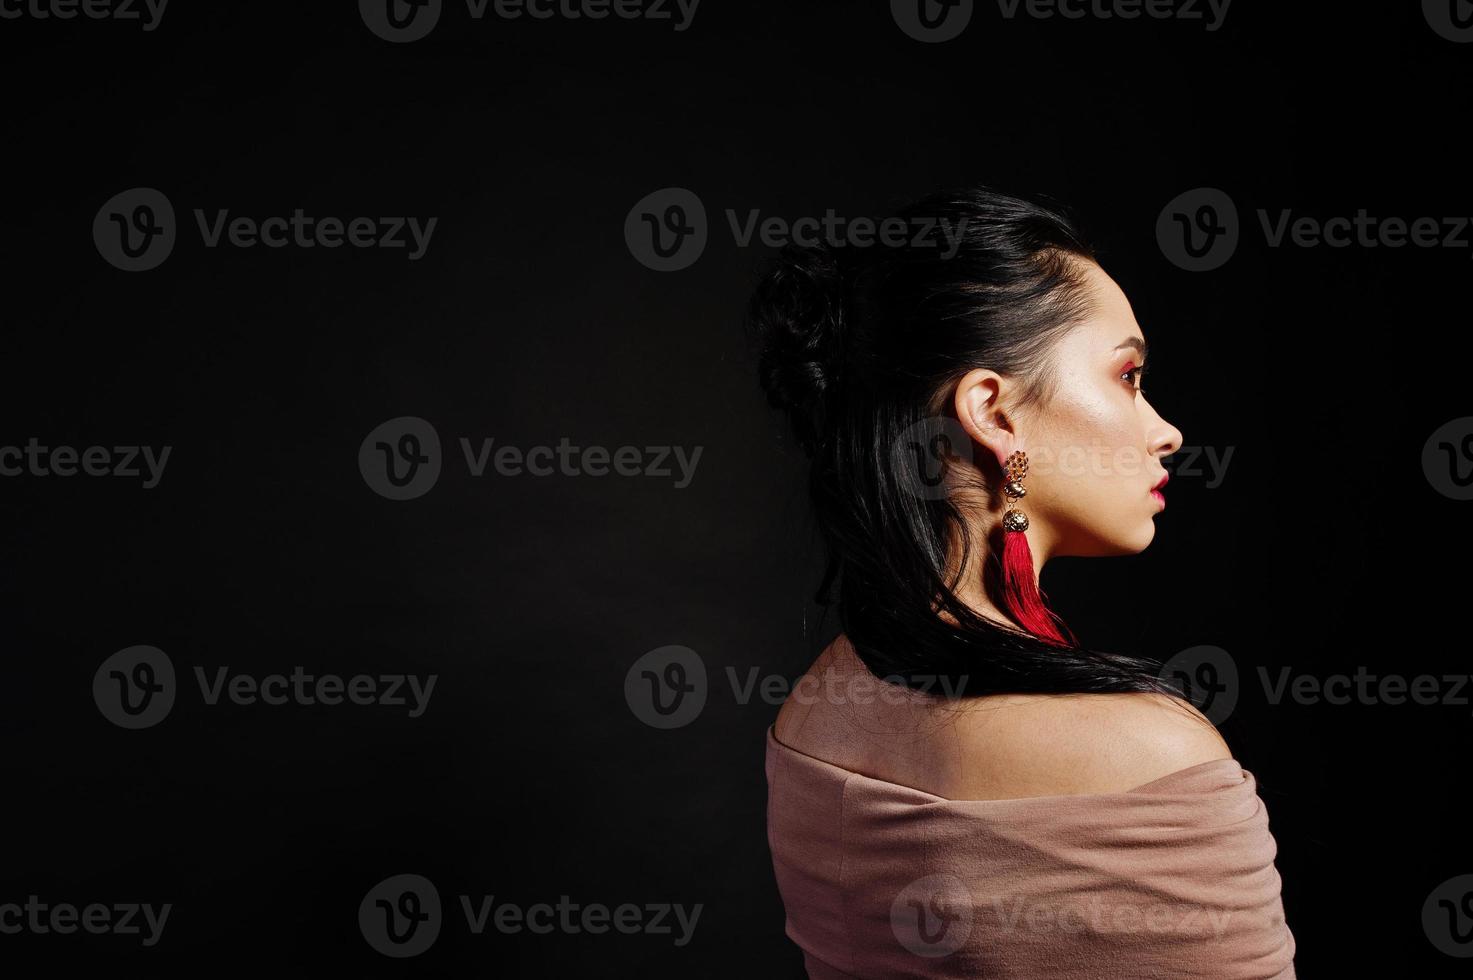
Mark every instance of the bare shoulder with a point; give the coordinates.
(992, 747)
(793, 712)
(794, 715)
(1066, 744)
(839, 711)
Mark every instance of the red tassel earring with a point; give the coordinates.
(1021, 593)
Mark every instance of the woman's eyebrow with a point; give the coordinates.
(1136, 344)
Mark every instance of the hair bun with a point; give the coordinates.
(798, 313)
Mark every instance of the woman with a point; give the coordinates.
(957, 786)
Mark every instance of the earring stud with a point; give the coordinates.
(1016, 468)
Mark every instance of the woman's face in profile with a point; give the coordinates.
(1095, 450)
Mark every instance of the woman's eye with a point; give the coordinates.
(1132, 375)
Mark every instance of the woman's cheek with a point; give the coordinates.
(1094, 453)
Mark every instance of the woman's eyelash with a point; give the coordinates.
(1138, 370)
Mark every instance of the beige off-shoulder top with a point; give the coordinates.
(1174, 878)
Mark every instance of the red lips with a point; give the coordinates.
(1162, 482)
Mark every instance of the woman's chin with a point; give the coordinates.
(1114, 545)
(1140, 538)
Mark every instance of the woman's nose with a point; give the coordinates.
(1163, 438)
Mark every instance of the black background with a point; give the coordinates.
(528, 320)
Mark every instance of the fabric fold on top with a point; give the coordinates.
(1174, 878)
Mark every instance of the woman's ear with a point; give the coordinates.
(977, 403)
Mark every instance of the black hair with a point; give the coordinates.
(861, 346)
